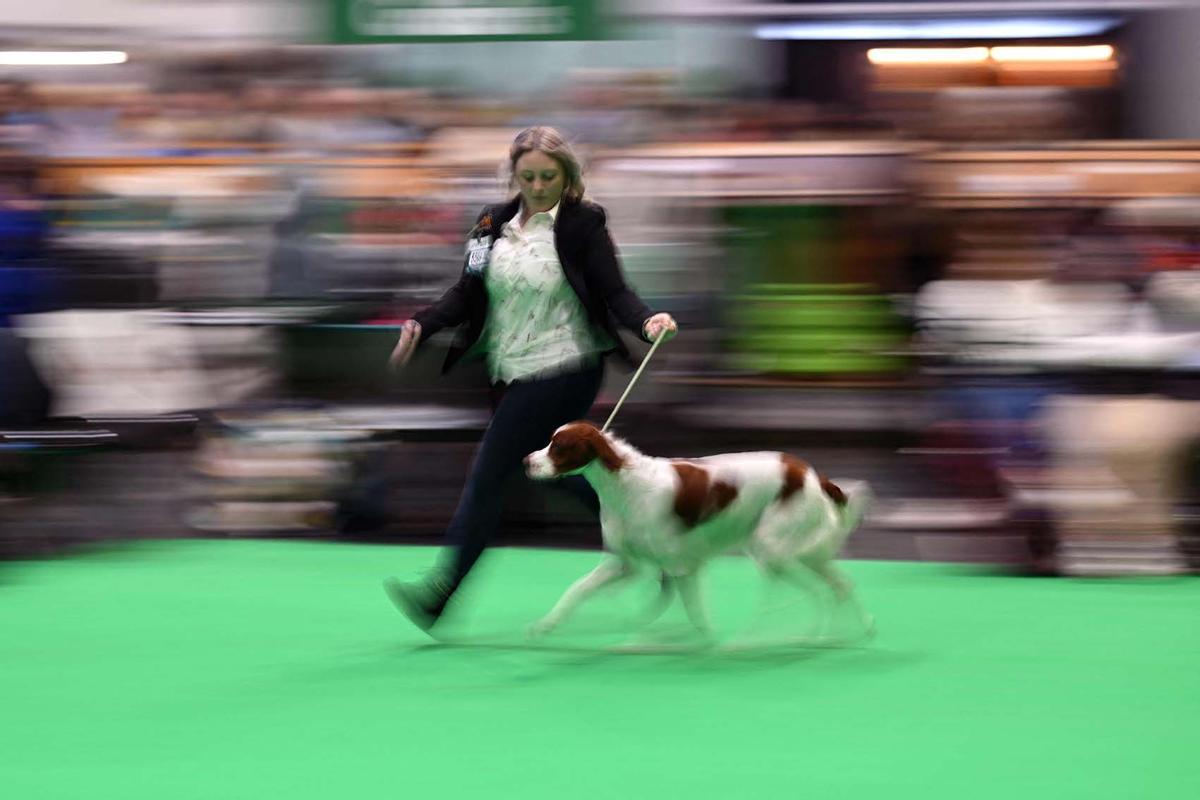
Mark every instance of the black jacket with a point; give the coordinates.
(589, 262)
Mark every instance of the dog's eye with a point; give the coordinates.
(555, 447)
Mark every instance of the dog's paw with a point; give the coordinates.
(540, 628)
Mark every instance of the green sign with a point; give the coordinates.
(370, 21)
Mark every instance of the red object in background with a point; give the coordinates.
(393, 218)
(1172, 259)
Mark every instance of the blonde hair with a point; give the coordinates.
(549, 141)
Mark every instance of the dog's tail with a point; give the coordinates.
(857, 505)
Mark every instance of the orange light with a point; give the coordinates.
(1047, 55)
(927, 55)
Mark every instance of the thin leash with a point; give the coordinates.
(661, 336)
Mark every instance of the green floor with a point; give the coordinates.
(279, 670)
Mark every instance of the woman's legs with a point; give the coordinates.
(525, 418)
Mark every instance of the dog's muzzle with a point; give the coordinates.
(535, 467)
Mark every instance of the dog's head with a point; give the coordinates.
(571, 449)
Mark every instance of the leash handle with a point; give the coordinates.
(661, 336)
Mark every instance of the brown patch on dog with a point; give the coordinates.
(794, 473)
(578, 444)
(834, 491)
(699, 497)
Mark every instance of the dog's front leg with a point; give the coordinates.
(610, 571)
(666, 590)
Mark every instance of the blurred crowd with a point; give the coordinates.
(225, 258)
(311, 117)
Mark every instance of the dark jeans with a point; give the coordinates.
(526, 414)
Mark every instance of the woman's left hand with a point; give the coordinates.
(659, 323)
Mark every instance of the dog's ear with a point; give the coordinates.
(578, 444)
(604, 451)
(571, 448)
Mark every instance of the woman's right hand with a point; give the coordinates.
(410, 334)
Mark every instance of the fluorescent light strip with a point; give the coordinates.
(927, 55)
(1089, 54)
(910, 29)
(17, 435)
(1096, 52)
(61, 58)
(155, 420)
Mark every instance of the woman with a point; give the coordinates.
(540, 290)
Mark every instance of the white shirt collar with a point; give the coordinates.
(515, 222)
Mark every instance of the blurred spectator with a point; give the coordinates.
(24, 123)
(24, 289)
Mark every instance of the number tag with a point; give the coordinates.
(478, 251)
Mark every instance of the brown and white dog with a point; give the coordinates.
(675, 515)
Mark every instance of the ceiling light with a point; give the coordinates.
(61, 58)
(965, 28)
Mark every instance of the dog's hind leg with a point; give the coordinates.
(610, 571)
(843, 591)
(801, 576)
